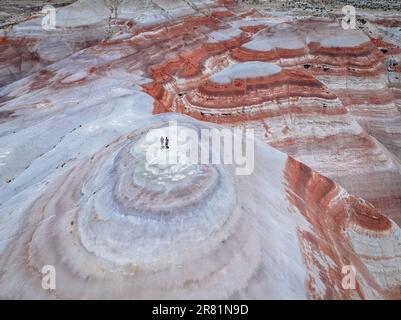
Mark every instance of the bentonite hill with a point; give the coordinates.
(321, 93)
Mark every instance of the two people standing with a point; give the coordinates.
(164, 143)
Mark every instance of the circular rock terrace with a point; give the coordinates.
(331, 93)
(269, 92)
(303, 52)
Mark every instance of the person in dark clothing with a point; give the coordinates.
(167, 147)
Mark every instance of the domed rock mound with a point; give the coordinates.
(138, 228)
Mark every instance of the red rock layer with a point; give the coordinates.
(245, 54)
(21, 57)
(317, 109)
(19, 61)
(214, 102)
(338, 222)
